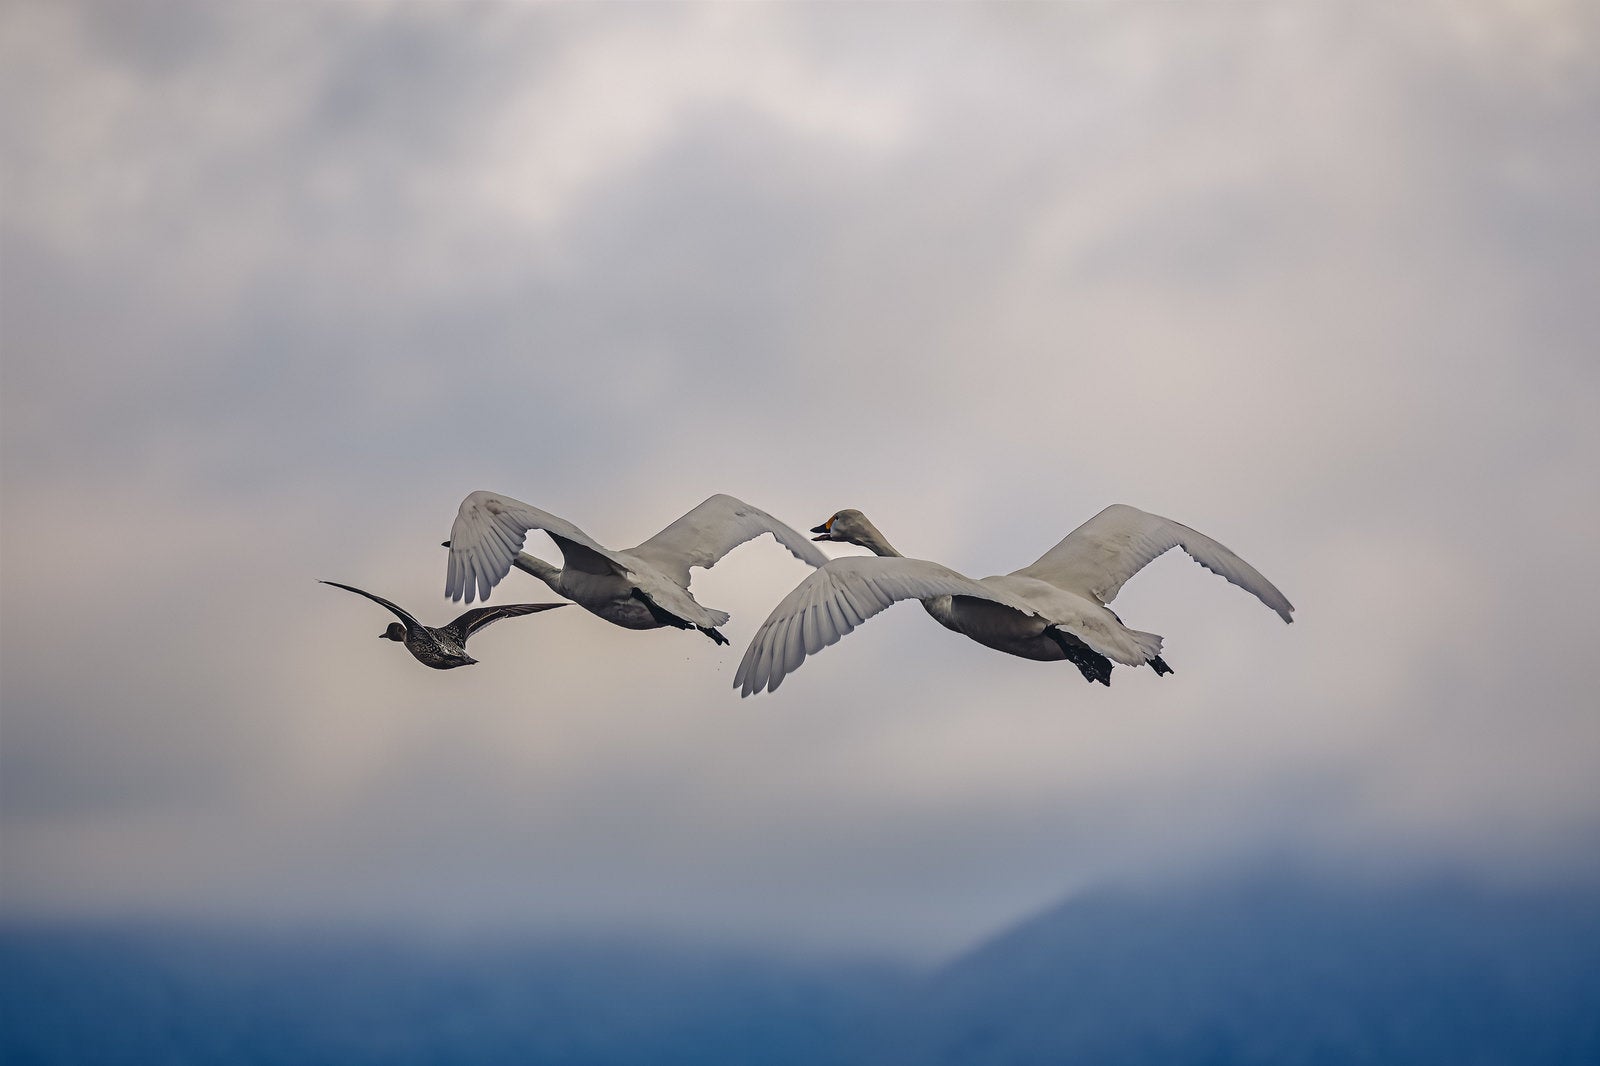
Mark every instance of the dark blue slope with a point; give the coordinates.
(1277, 972)
(106, 996)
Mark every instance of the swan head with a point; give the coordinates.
(396, 631)
(848, 525)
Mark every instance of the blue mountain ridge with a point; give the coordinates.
(1275, 970)
(1265, 970)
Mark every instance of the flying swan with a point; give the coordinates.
(1054, 609)
(642, 588)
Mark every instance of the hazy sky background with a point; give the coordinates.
(281, 283)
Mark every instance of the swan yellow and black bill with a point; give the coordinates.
(824, 528)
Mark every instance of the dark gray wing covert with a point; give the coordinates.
(480, 617)
(406, 617)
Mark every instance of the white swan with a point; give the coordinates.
(1054, 609)
(642, 588)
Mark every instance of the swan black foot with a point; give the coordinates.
(667, 618)
(1090, 663)
(1159, 665)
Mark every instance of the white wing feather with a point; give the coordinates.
(836, 599)
(1100, 556)
(489, 531)
(712, 530)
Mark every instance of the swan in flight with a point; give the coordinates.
(444, 648)
(646, 587)
(1054, 609)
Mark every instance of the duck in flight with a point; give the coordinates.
(444, 648)
(646, 587)
(1051, 610)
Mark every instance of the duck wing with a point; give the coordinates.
(479, 617)
(489, 531)
(837, 598)
(410, 621)
(712, 530)
(1101, 555)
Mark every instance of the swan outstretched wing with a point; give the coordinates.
(837, 598)
(488, 533)
(401, 613)
(1102, 554)
(712, 530)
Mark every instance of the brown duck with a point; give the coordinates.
(445, 647)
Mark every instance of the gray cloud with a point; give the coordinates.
(282, 285)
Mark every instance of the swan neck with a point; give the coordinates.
(532, 564)
(877, 543)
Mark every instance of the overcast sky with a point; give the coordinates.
(281, 283)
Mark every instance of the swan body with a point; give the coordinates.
(645, 587)
(444, 647)
(1051, 610)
